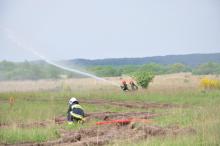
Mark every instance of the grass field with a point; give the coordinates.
(176, 99)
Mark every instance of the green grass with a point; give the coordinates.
(205, 119)
(197, 109)
(14, 134)
(161, 141)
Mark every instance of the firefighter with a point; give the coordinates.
(133, 85)
(124, 85)
(75, 112)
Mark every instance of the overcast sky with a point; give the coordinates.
(68, 29)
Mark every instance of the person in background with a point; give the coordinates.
(133, 85)
(124, 85)
(75, 112)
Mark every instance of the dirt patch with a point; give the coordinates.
(106, 134)
(111, 115)
(89, 117)
(129, 104)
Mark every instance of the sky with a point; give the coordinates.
(96, 29)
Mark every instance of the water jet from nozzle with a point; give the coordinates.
(12, 38)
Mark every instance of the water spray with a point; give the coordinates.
(18, 43)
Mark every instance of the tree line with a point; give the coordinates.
(42, 70)
(156, 69)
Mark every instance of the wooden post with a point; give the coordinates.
(11, 101)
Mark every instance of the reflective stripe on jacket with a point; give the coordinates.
(77, 111)
(76, 115)
(76, 106)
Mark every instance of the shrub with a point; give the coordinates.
(206, 83)
(143, 78)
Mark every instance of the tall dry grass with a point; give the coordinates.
(161, 83)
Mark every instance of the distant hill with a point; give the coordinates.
(189, 59)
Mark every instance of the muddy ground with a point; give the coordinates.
(106, 134)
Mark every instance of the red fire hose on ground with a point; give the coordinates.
(123, 121)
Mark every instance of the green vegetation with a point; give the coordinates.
(154, 68)
(106, 71)
(35, 134)
(157, 69)
(143, 78)
(205, 120)
(42, 70)
(196, 109)
(31, 70)
(207, 68)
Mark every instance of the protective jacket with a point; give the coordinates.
(75, 112)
